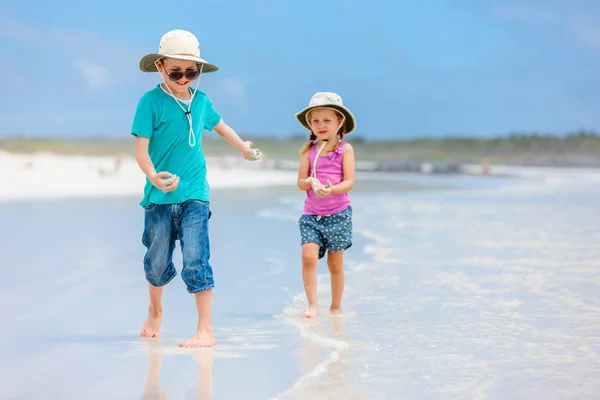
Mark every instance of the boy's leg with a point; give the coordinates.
(197, 273)
(159, 238)
(151, 326)
(312, 251)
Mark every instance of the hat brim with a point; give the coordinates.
(350, 123)
(147, 63)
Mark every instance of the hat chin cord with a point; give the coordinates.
(323, 144)
(188, 114)
(316, 183)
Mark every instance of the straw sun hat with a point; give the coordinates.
(327, 100)
(178, 44)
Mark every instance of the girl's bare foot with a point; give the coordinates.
(151, 325)
(312, 311)
(202, 338)
(335, 310)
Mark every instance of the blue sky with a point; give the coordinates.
(406, 69)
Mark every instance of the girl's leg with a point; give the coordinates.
(335, 262)
(310, 254)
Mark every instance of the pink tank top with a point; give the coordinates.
(329, 167)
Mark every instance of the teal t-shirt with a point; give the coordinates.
(159, 118)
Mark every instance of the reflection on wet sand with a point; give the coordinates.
(324, 363)
(152, 386)
(202, 357)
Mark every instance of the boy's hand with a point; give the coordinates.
(249, 153)
(165, 181)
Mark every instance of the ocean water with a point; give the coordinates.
(487, 289)
(456, 288)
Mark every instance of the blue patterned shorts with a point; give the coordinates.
(332, 232)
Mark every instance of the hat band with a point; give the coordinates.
(186, 54)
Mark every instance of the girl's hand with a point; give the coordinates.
(324, 191)
(165, 181)
(315, 184)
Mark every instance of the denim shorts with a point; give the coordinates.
(188, 223)
(332, 232)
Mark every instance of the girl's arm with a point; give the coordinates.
(348, 167)
(303, 172)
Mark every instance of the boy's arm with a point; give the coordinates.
(143, 159)
(141, 156)
(348, 167)
(229, 135)
(303, 173)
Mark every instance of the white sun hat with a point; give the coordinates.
(178, 44)
(327, 100)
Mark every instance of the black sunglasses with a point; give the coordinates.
(176, 75)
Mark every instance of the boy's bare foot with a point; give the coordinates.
(335, 310)
(151, 325)
(202, 338)
(312, 311)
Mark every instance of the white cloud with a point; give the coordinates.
(82, 46)
(524, 13)
(575, 23)
(96, 75)
(587, 32)
(19, 31)
(233, 87)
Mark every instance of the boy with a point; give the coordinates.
(168, 125)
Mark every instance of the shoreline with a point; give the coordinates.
(47, 175)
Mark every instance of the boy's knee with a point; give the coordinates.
(197, 276)
(159, 275)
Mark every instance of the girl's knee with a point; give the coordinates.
(335, 262)
(309, 256)
(309, 260)
(336, 268)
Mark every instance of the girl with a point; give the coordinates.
(326, 173)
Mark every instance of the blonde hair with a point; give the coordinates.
(313, 138)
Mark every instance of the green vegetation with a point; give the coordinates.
(580, 148)
(87, 146)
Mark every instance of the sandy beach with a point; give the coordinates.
(48, 175)
(457, 287)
